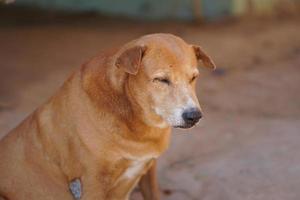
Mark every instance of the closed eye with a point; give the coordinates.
(193, 79)
(162, 80)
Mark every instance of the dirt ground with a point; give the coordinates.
(246, 147)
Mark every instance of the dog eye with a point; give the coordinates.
(194, 78)
(163, 80)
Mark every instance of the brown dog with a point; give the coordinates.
(106, 125)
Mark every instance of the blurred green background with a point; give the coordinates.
(165, 9)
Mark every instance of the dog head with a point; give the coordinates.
(162, 73)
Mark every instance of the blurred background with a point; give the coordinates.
(248, 144)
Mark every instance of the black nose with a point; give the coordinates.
(191, 116)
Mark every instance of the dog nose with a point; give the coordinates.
(191, 116)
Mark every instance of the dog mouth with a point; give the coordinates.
(185, 126)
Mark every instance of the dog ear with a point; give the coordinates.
(201, 55)
(130, 59)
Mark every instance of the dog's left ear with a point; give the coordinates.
(201, 55)
(130, 59)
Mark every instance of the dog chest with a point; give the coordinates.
(135, 168)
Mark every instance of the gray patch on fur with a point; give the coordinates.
(75, 188)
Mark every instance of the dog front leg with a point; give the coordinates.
(148, 184)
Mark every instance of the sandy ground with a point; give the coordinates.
(247, 146)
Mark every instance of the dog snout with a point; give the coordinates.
(191, 116)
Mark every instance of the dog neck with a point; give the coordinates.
(115, 115)
(107, 88)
